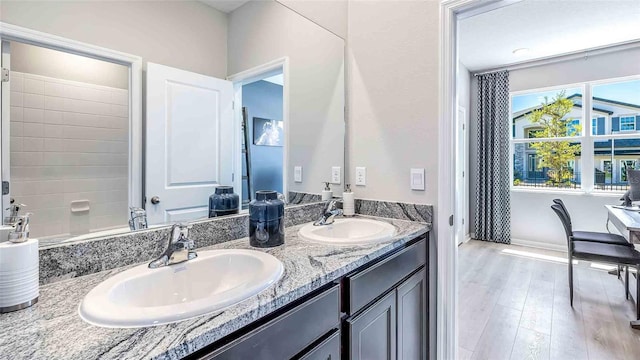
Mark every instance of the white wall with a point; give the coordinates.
(61, 65)
(332, 15)
(69, 141)
(184, 34)
(531, 216)
(393, 97)
(262, 31)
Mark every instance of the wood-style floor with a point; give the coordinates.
(517, 307)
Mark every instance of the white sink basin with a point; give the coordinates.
(349, 232)
(214, 280)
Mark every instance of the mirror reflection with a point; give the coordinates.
(275, 123)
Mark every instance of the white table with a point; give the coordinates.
(627, 222)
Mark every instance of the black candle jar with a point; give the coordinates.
(223, 202)
(266, 220)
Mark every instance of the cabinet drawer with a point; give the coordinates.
(288, 334)
(326, 350)
(370, 283)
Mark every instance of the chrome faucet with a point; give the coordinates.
(138, 218)
(14, 214)
(330, 211)
(21, 232)
(179, 249)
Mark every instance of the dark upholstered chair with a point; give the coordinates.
(599, 252)
(590, 236)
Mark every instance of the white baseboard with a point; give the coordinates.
(539, 245)
(467, 239)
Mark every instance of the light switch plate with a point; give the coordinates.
(335, 175)
(297, 174)
(417, 179)
(361, 176)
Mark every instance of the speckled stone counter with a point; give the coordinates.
(53, 330)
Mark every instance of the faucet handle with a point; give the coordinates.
(180, 230)
(15, 208)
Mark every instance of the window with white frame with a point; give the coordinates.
(565, 152)
(627, 123)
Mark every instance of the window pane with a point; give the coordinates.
(532, 119)
(612, 158)
(616, 107)
(554, 164)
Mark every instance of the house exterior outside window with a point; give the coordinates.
(609, 142)
(627, 123)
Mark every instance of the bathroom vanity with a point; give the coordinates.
(331, 301)
(380, 308)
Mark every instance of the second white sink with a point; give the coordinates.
(351, 231)
(214, 280)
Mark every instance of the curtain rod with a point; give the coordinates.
(565, 57)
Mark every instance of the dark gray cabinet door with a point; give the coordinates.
(412, 317)
(372, 334)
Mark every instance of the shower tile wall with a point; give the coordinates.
(69, 141)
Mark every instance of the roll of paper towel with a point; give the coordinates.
(19, 271)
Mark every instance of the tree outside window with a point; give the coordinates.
(556, 156)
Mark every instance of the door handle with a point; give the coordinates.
(155, 200)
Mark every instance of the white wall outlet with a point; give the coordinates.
(361, 176)
(336, 178)
(417, 179)
(297, 174)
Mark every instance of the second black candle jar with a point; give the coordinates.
(266, 220)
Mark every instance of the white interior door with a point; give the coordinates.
(5, 92)
(461, 175)
(189, 142)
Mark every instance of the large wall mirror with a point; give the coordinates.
(276, 122)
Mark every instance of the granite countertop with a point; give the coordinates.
(52, 329)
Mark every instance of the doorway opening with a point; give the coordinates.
(261, 122)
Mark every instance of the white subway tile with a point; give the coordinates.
(35, 101)
(102, 95)
(16, 98)
(33, 86)
(120, 97)
(120, 111)
(16, 113)
(33, 115)
(16, 143)
(53, 117)
(33, 130)
(54, 103)
(32, 144)
(16, 128)
(54, 144)
(18, 188)
(26, 158)
(16, 82)
(54, 89)
(54, 131)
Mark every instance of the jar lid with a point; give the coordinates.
(266, 195)
(224, 189)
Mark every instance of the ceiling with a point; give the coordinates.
(546, 28)
(226, 6)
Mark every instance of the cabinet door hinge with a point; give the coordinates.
(5, 75)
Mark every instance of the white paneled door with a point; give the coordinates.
(189, 142)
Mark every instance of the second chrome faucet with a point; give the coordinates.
(332, 209)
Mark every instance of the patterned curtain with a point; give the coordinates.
(493, 215)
